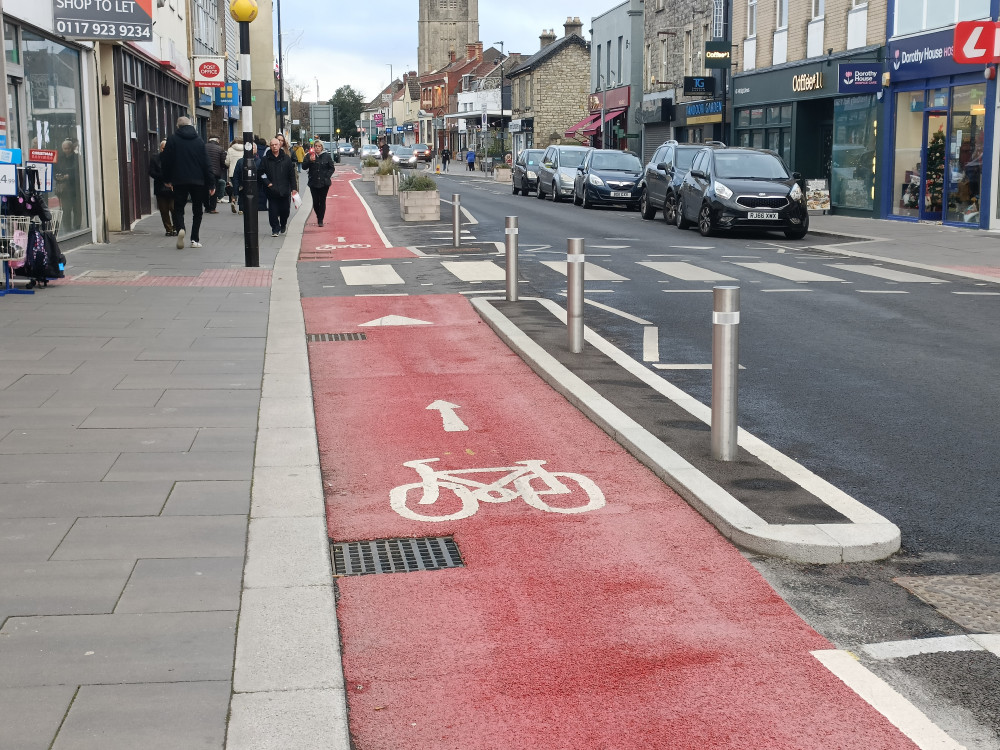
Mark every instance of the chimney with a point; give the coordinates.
(573, 26)
(546, 38)
(473, 50)
(451, 55)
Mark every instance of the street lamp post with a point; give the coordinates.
(388, 110)
(502, 149)
(281, 76)
(243, 12)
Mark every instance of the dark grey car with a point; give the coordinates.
(662, 178)
(525, 174)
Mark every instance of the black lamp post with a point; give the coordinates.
(243, 12)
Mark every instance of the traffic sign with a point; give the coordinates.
(976, 42)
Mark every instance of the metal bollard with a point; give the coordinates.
(510, 248)
(574, 293)
(456, 220)
(725, 368)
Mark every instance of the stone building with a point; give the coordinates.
(549, 89)
(444, 27)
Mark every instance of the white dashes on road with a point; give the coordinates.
(475, 270)
(887, 273)
(685, 271)
(590, 272)
(371, 275)
(787, 272)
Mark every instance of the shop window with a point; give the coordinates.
(744, 139)
(773, 115)
(965, 152)
(743, 118)
(12, 49)
(922, 15)
(751, 17)
(852, 169)
(53, 111)
(757, 116)
(818, 7)
(908, 162)
(782, 14)
(13, 116)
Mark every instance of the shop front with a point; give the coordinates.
(608, 126)
(522, 134)
(940, 149)
(822, 119)
(697, 122)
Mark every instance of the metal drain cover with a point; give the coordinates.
(395, 555)
(971, 601)
(335, 337)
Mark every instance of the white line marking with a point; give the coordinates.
(650, 344)
(879, 291)
(475, 270)
(619, 313)
(590, 272)
(470, 218)
(485, 291)
(611, 247)
(371, 216)
(687, 291)
(452, 422)
(391, 320)
(786, 290)
(886, 273)
(692, 247)
(685, 271)
(741, 256)
(687, 367)
(903, 649)
(877, 693)
(979, 294)
(787, 272)
(397, 294)
(371, 275)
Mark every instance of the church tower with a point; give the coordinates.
(445, 26)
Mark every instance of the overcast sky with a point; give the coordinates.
(356, 43)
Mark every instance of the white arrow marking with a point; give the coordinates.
(396, 320)
(970, 49)
(451, 421)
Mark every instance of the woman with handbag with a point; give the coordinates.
(279, 175)
(321, 169)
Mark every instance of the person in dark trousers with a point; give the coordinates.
(279, 175)
(470, 159)
(66, 172)
(217, 166)
(238, 179)
(164, 197)
(185, 171)
(445, 158)
(321, 169)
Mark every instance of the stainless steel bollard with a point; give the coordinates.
(456, 220)
(510, 248)
(574, 293)
(725, 368)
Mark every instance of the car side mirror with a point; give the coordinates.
(580, 168)
(547, 164)
(662, 166)
(797, 175)
(697, 173)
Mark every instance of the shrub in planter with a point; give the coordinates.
(386, 167)
(417, 183)
(419, 199)
(369, 161)
(385, 178)
(369, 166)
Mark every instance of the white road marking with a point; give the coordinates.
(979, 294)
(687, 291)
(688, 367)
(741, 256)
(475, 270)
(485, 291)
(787, 272)
(877, 693)
(692, 247)
(378, 229)
(904, 649)
(685, 271)
(450, 420)
(887, 273)
(619, 313)
(392, 320)
(879, 291)
(590, 272)
(371, 275)
(786, 290)
(611, 247)
(650, 344)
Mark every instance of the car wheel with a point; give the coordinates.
(796, 234)
(681, 222)
(670, 208)
(540, 194)
(576, 198)
(647, 210)
(584, 202)
(705, 225)
(555, 193)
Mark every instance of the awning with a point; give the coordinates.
(585, 122)
(595, 126)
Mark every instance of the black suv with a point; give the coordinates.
(742, 188)
(663, 175)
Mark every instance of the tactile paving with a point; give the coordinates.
(973, 601)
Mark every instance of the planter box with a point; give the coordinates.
(502, 174)
(385, 184)
(420, 205)
(368, 174)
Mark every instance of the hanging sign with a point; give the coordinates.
(859, 78)
(8, 179)
(698, 86)
(104, 19)
(209, 72)
(718, 55)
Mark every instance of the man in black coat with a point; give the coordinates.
(185, 170)
(281, 178)
(217, 166)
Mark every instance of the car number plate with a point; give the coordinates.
(765, 215)
(620, 194)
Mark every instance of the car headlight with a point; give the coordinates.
(796, 194)
(593, 179)
(565, 179)
(722, 191)
(532, 175)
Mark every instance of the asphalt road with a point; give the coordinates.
(883, 384)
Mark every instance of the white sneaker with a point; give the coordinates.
(195, 244)
(180, 239)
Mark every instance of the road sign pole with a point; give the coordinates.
(251, 249)
(574, 293)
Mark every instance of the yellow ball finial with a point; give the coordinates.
(243, 11)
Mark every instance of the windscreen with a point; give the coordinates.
(403, 151)
(572, 159)
(533, 158)
(617, 161)
(749, 165)
(683, 158)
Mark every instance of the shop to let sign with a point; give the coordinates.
(104, 19)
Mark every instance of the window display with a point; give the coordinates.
(852, 173)
(965, 152)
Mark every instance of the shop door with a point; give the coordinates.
(934, 172)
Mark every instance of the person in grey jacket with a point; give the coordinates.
(185, 171)
(321, 169)
(279, 175)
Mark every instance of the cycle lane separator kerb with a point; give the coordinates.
(868, 537)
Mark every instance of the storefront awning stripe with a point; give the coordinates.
(585, 122)
(596, 125)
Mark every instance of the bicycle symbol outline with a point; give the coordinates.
(471, 492)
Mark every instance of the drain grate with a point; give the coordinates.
(335, 337)
(395, 555)
(973, 601)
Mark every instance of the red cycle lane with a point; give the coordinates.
(348, 233)
(629, 625)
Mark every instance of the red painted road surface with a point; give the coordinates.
(348, 232)
(634, 625)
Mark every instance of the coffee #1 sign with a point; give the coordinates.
(104, 19)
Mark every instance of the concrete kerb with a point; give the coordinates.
(288, 678)
(868, 537)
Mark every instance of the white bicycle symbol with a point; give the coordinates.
(471, 492)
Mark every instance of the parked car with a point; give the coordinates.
(607, 177)
(422, 151)
(524, 176)
(662, 177)
(742, 188)
(370, 149)
(557, 171)
(403, 157)
(345, 149)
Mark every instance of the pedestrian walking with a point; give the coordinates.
(321, 169)
(470, 159)
(238, 178)
(299, 153)
(445, 158)
(185, 171)
(278, 173)
(164, 196)
(217, 166)
(233, 155)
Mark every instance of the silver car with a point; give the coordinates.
(558, 171)
(370, 149)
